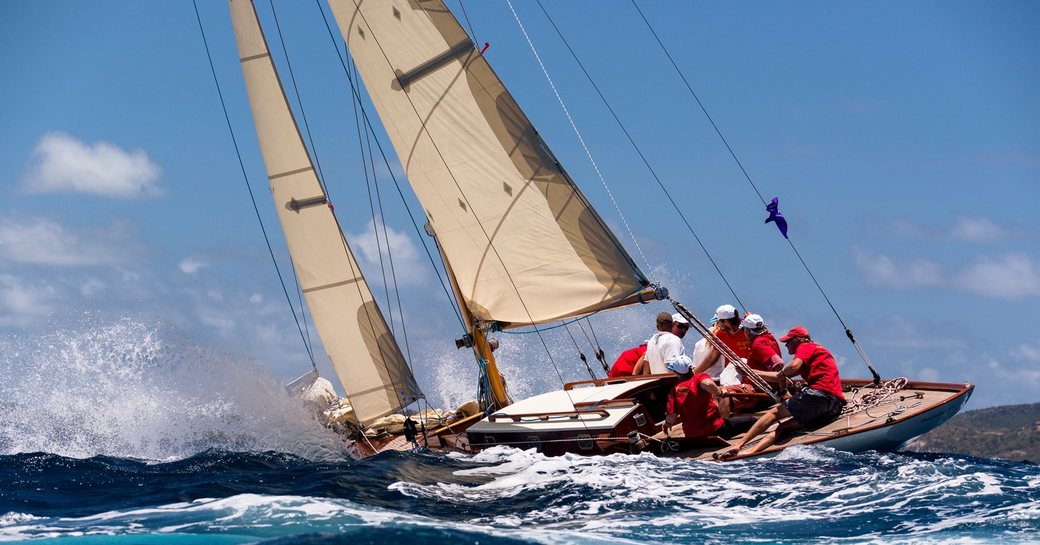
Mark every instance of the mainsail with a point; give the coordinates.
(364, 352)
(524, 244)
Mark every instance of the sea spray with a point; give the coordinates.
(134, 390)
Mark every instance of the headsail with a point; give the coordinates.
(523, 242)
(364, 352)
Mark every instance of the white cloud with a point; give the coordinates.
(1027, 353)
(410, 271)
(929, 375)
(1024, 378)
(884, 271)
(256, 298)
(22, 301)
(897, 331)
(44, 242)
(966, 228)
(976, 230)
(191, 265)
(62, 163)
(215, 295)
(1012, 276)
(92, 287)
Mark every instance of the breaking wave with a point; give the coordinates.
(809, 495)
(130, 390)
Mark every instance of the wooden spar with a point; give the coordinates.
(481, 347)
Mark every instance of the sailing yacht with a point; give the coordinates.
(520, 243)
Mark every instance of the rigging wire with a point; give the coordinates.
(384, 355)
(581, 354)
(597, 350)
(848, 332)
(386, 240)
(469, 205)
(472, 32)
(371, 205)
(642, 156)
(581, 140)
(252, 197)
(368, 122)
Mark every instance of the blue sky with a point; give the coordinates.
(903, 140)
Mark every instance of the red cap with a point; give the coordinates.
(796, 331)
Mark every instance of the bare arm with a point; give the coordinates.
(709, 386)
(641, 367)
(713, 355)
(791, 369)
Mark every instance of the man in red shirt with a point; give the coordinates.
(693, 401)
(819, 403)
(626, 362)
(763, 357)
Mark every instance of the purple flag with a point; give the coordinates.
(775, 216)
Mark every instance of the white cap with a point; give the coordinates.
(681, 365)
(679, 319)
(725, 312)
(753, 321)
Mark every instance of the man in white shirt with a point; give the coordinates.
(665, 345)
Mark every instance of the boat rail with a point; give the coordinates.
(581, 408)
(615, 380)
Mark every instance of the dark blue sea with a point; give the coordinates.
(508, 496)
(121, 435)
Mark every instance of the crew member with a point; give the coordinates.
(627, 361)
(693, 402)
(819, 403)
(763, 358)
(663, 347)
(727, 329)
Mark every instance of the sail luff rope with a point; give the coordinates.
(249, 188)
(642, 156)
(848, 332)
(364, 114)
(581, 140)
(356, 273)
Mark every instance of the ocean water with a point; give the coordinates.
(509, 496)
(120, 434)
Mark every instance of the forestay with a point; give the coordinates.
(523, 242)
(364, 352)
